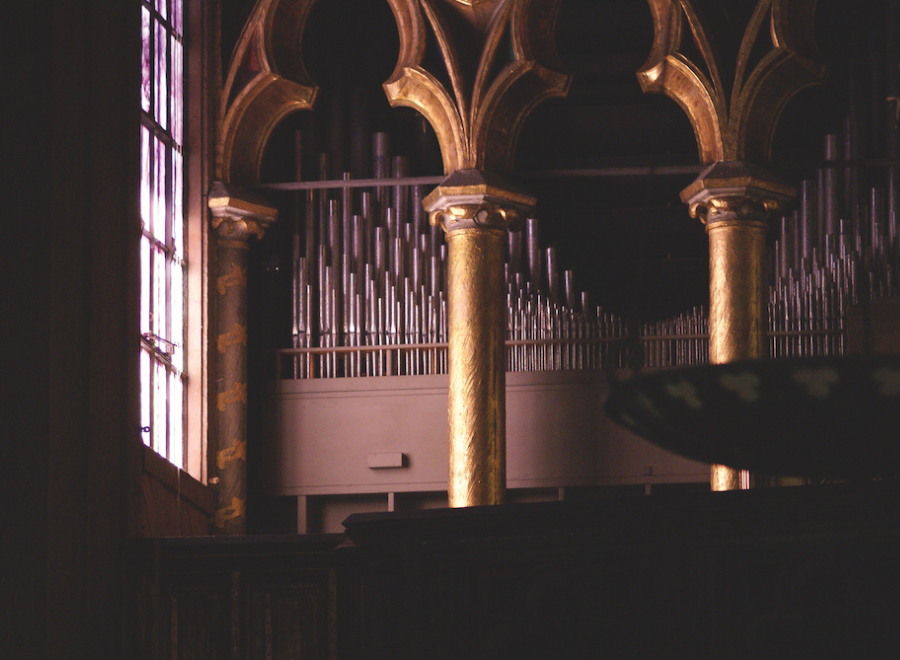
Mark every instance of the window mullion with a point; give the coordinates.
(159, 132)
(165, 22)
(156, 242)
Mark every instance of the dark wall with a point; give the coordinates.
(70, 152)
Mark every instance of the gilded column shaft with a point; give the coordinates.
(476, 210)
(737, 290)
(735, 200)
(477, 367)
(738, 313)
(733, 106)
(737, 307)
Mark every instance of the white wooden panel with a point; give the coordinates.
(322, 433)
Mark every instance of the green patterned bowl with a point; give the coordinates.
(820, 417)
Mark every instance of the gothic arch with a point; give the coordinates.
(266, 82)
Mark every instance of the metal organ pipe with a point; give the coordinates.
(812, 288)
(369, 272)
(367, 283)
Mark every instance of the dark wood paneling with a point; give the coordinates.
(288, 615)
(784, 572)
(790, 572)
(241, 597)
(873, 328)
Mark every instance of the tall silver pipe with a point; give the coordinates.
(876, 210)
(552, 274)
(311, 251)
(808, 220)
(415, 263)
(514, 257)
(377, 277)
(380, 261)
(435, 281)
(417, 212)
(400, 196)
(832, 209)
(533, 252)
(346, 199)
(381, 159)
(569, 294)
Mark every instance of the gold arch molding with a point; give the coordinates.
(266, 81)
(477, 120)
(738, 126)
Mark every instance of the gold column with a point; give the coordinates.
(477, 368)
(237, 218)
(733, 106)
(476, 211)
(477, 119)
(737, 290)
(735, 200)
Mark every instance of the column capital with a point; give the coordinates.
(736, 191)
(239, 214)
(473, 199)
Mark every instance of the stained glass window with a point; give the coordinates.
(162, 248)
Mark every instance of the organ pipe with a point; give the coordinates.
(370, 279)
(369, 273)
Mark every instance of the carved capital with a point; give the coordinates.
(732, 207)
(736, 192)
(471, 216)
(470, 199)
(238, 214)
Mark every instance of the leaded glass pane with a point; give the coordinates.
(158, 214)
(145, 59)
(177, 18)
(160, 292)
(162, 76)
(145, 398)
(145, 177)
(176, 413)
(160, 410)
(176, 335)
(177, 88)
(146, 285)
(177, 203)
